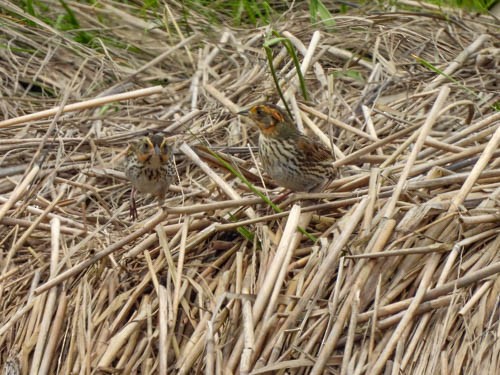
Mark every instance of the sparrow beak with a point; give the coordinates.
(243, 113)
(157, 150)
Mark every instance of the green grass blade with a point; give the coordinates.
(429, 66)
(242, 178)
(269, 54)
(291, 51)
(30, 9)
(320, 13)
(302, 82)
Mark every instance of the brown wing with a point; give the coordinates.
(313, 150)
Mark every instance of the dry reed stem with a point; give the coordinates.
(458, 61)
(416, 250)
(350, 334)
(270, 280)
(180, 265)
(378, 241)
(83, 265)
(49, 308)
(325, 269)
(214, 176)
(404, 324)
(424, 131)
(437, 292)
(53, 339)
(98, 102)
(163, 329)
(19, 191)
(336, 122)
(486, 155)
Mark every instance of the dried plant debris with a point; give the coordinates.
(392, 268)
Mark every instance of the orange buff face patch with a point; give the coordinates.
(276, 115)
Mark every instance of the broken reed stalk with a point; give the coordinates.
(385, 233)
(97, 102)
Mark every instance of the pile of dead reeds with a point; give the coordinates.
(395, 268)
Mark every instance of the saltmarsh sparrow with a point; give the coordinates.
(150, 168)
(289, 157)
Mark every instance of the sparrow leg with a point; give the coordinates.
(133, 207)
(161, 201)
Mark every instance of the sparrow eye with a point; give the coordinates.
(144, 147)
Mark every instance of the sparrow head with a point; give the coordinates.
(272, 120)
(152, 148)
